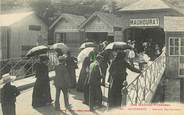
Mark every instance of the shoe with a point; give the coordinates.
(57, 109)
(92, 109)
(85, 103)
(99, 106)
(50, 102)
(69, 107)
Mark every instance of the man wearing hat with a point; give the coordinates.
(8, 95)
(94, 81)
(61, 82)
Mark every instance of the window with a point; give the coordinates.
(182, 46)
(181, 65)
(60, 37)
(174, 46)
(35, 27)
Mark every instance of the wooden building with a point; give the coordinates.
(160, 22)
(19, 33)
(66, 30)
(102, 26)
(174, 32)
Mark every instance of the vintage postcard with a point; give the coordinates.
(77, 57)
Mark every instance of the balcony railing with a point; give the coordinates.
(24, 67)
(141, 90)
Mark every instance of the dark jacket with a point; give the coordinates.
(42, 72)
(9, 94)
(118, 68)
(61, 79)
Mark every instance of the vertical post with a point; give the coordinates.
(145, 85)
(32, 65)
(182, 90)
(124, 93)
(137, 91)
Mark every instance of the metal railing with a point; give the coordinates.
(24, 67)
(141, 90)
(20, 67)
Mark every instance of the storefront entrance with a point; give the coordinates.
(154, 35)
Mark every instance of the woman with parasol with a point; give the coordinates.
(41, 92)
(117, 72)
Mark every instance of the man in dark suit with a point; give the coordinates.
(61, 82)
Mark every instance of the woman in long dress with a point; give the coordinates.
(71, 65)
(41, 91)
(118, 75)
(83, 74)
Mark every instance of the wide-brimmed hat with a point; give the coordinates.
(62, 58)
(6, 78)
(99, 56)
(43, 57)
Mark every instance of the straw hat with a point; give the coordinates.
(43, 57)
(99, 56)
(6, 78)
(62, 58)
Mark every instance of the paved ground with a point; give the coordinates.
(24, 107)
(24, 102)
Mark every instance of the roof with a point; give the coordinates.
(146, 5)
(75, 19)
(109, 19)
(9, 19)
(173, 24)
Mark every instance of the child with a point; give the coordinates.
(8, 95)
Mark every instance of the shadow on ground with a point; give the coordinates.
(76, 95)
(50, 110)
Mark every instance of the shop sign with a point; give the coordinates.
(144, 22)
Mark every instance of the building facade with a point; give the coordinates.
(19, 33)
(102, 26)
(160, 22)
(66, 29)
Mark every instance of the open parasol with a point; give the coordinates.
(87, 44)
(60, 47)
(37, 50)
(84, 53)
(117, 45)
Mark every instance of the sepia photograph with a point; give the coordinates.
(91, 57)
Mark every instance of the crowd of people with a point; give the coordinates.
(143, 52)
(92, 76)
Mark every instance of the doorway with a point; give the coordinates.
(154, 37)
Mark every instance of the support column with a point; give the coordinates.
(182, 90)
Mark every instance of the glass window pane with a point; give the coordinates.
(171, 42)
(182, 50)
(172, 51)
(176, 42)
(181, 59)
(181, 66)
(182, 41)
(176, 51)
(181, 71)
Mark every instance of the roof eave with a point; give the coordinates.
(141, 10)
